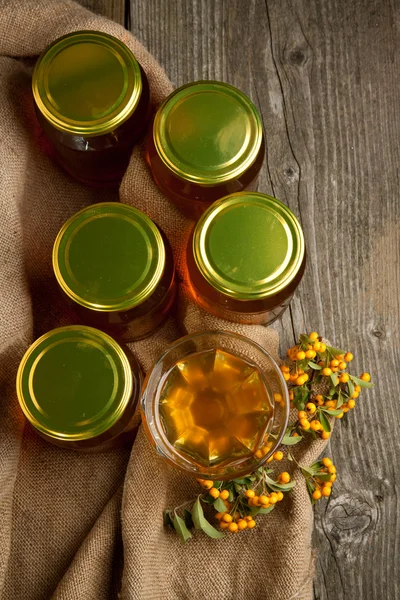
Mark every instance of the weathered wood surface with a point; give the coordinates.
(326, 78)
(117, 10)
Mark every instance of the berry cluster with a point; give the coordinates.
(318, 365)
(320, 477)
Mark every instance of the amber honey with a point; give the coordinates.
(215, 407)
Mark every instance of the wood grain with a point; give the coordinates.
(112, 9)
(326, 78)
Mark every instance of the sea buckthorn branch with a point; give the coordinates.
(320, 389)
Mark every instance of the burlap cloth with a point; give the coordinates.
(83, 526)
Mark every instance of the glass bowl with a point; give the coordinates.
(259, 363)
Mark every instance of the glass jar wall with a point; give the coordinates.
(207, 142)
(79, 389)
(245, 258)
(92, 101)
(116, 267)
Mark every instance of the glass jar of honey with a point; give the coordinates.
(245, 258)
(117, 268)
(92, 101)
(215, 405)
(79, 389)
(207, 142)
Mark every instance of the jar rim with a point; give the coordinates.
(77, 104)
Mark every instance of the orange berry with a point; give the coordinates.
(224, 494)
(219, 515)
(270, 459)
(302, 414)
(250, 493)
(248, 518)
(286, 376)
(315, 425)
(342, 365)
(273, 498)
(223, 525)
(317, 346)
(311, 408)
(333, 477)
(322, 347)
(328, 484)
(278, 398)
(280, 496)
(304, 424)
(348, 357)
(284, 369)
(227, 518)
(207, 484)
(357, 388)
(340, 356)
(258, 454)
(326, 491)
(325, 435)
(351, 403)
(332, 469)
(340, 415)
(300, 355)
(313, 335)
(326, 372)
(242, 524)
(256, 500)
(365, 377)
(334, 363)
(329, 404)
(335, 369)
(233, 527)
(311, 354)
(326, 462)
(278, 455)
(301, 380)
(264, 499)
(316, 495)
(284, 477)
(201, 481)
(344, 378)
(251, 524)
(214, 493)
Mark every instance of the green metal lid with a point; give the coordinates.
(248, 245)
(109, 257)
(87, 83)
(207, 132)
(74, 383)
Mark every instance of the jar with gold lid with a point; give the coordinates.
(116, 267)
(92, 101)
(245, 258)
(79, 388)
(207, 142)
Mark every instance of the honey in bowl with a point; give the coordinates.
(215, 407)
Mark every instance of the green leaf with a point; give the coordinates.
(181, 529)
(288, 440)
(217, 484)
(323, 476)
(335, 351)
(279, 487)
(340, 399)
(334, 379)
(231, 495)
(307, 472)
(331, 411)
(219, 505)
(265, 511)
(200, 522)
(188, 518)
(350, 385)
(253, 511)
(167, 519)
(361, 383)
(314, 366)
(242, 480)
(326, 426)
(208, 499)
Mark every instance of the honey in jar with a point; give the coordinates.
(245, 258)
(92, 101)
(207, 142)
(79, 389)
(215, 407)
(116, 267)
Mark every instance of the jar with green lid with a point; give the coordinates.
(116, 267)
(92, 101)
(207, 143)
(79, 388)
(245, 258)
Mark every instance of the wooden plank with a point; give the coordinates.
(112, 9)
(325, 76)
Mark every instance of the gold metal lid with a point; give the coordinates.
(87, 83)
(207, 132)
(109, 257)
(248, 245)
(74, 383)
